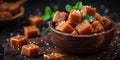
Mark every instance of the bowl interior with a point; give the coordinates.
(52, 27)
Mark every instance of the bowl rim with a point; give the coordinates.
(70, 35)
(22, 10)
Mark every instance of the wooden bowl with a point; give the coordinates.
(22, 10)
(81, 44)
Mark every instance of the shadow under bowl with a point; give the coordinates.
(81, 44)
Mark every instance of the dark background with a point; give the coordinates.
(109, 8)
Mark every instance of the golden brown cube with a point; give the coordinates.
(64, 27)
(75, 17)
(36, 20)
(97, 27)
(73, 25)
(84, 28)
(18, 41)
(30, 50)
(60, 16)
(53, 56)
(88, 11)
(74, 33)
(105, 21)
(14, 8)
(31, 31)
(5, 6)
(97, 16)
(1, 1)
(1, 16)
(5, 14)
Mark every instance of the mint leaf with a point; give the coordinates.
(48, 10)
(46, 17)
(78, 5)
(52, 14)
(68, 8)
(89, 18)
(48, 13)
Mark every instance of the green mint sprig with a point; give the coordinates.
(78, 6)
(48, 13)
(89, 18)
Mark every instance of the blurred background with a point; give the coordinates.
(109, 8)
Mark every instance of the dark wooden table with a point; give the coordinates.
(112, 52)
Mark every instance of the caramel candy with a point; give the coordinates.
(31, 31)
(84, 28)
(60, 16)
(64, 27)
(30, 50)
(88, 11)
(11, 7)
(36, 20)
(73, 25)
(14, 8)
(53, 56)
(5, 14)
(97, 16)
(105, 21)
(1, 1)
(1, 15)
(74, 33)
(75, 17)
(97, 27)
(18, 41)
(5, 6)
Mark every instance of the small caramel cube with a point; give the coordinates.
(84, 28)
(30, 50)
(64, 27)
(60, 16)
(53, 56)
(106, 22)
(14, 8)
(97, 16)
(18, 41)
(73, 25)
(5, 14)
(5, 6)
(74, 33)
(97, 27)
(31, 31)
(88, 11)
(75, 17)
(1, 16)
(36, 20)
(1, 1)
